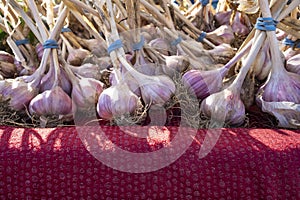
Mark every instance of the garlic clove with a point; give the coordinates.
(51, 102)
(204, 83)
(116, 101)
(18, 92)
(86, 93)
(225, 106)
(293, 64)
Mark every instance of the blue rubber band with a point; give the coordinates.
(50, 44)
(201, 37)
(291, 43)
(177, 41)
(21, 42)
(114, 46)
(214, 3)
(66, 29)
(204, 2)
(139, 45)
(266, 24)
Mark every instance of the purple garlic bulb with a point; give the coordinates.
(204, 83)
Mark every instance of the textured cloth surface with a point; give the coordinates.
(244, 164)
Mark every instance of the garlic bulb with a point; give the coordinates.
(157, 89)
(223, 18)
(293, 64)
(240, 24)
(175, 65)
(280, 96)
(7, 66)
(225, 106)
(161, 45)
(88, 70)
(204, 83)
(76, 56)
(223, 34)
(18, 92)
(51, 102)
(86, 92)
(117, 100)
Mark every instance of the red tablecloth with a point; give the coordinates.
(244, 164)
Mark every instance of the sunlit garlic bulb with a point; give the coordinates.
(51, 102)
(224, 107)
(116, 101)
(18, 92)
(86, 92)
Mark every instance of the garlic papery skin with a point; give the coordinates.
(116, 101)
(225, 106)
(18, 92)
(204, 83)
(51, 102)
(86, 93)
(293, 64)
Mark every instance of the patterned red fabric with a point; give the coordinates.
(244, 164)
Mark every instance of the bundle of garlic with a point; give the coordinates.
(119, 100)
(226, 106)
(280, 95)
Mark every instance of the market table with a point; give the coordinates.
(53, 163)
